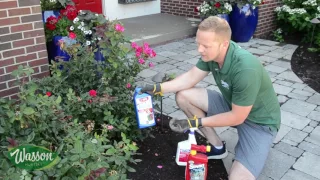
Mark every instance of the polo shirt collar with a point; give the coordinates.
(227, 61)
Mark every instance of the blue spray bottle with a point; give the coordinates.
(144, 109)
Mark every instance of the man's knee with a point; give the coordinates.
(240, 172)
(182, 97)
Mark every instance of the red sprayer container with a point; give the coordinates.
(197, 164)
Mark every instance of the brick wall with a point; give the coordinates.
(22, 42)
(266, 22)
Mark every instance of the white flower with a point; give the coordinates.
(97, 14)
(278, 9)
(83, 29)
(71, 28)
(318, 8)
(99, 38)
(52, 1)
(228, 7)
(88, 43)
(279, 30)
(94, 141)
(80, 27)
(75, 20)
(89, 32)
(82, 23)
(310, 2)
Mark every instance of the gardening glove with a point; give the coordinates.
(183, 125)
(154, 89)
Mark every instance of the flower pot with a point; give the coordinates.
(243, 22)
(223, 16)
(46, 14)
(56, 50)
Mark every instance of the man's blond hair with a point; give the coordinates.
(217, 25)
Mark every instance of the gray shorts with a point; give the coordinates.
(254, 142)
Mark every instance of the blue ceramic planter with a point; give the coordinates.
(46, 14)
(223, 16)
(56, 50)
(243, 22)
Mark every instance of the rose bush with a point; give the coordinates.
(84, 110)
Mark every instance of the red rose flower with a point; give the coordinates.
(51, 23)
(93, 93)
(217, 5)
(72, 35)
(196, 9)
(48, 94)
(70, 12)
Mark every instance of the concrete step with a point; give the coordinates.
(159, 28)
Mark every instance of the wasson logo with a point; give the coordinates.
(33, 157)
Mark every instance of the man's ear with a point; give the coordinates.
(225, 44)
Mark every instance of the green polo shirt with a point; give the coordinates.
(243, 81)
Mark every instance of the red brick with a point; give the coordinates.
(37, 25)
(8, 4)
(6, 77)
(19, 11)
(6, 62)
(3, 14)
(26, 58)
(10, 37)
(44, 68)
(1, 71)
(38, 62)
(40, 40)
(14, 96)
(31, 18)
(9, 92)
(43, 54)
(9, 69)
(25, 42)
(22, 27)
(33, 33)
(41, 75)
(35, 48)
(9, 21)
(36, 9)
(3, 86)
(14, 52)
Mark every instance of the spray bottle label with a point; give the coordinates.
(197, 171)
(145, 110)
(183, 155)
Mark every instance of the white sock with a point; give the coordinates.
(218, 147)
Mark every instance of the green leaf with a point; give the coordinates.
(111, 151)
(58, 100)
(124, 137)
(28, 111)
(130, 169)
(137, 160)
(1, 130)
(30, 137)
(74, 158)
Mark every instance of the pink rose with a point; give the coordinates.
(128, 85)
(151, 64)
(72, 35)
(134, 45)
(109, 127)
(119, 28)
(93, 93)
(141, 61)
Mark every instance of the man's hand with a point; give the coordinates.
(183, 125)
(152, 89)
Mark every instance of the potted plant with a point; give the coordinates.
(214, 8)
(73, 27)
(53, 7)
(244, 19)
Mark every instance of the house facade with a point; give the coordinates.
(22, 39)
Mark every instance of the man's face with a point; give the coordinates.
(208, 46)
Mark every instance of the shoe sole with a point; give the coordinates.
(221, 156)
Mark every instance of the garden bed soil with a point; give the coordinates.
(161, 151)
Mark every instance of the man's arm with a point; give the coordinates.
(236, 116)
(184, 81)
